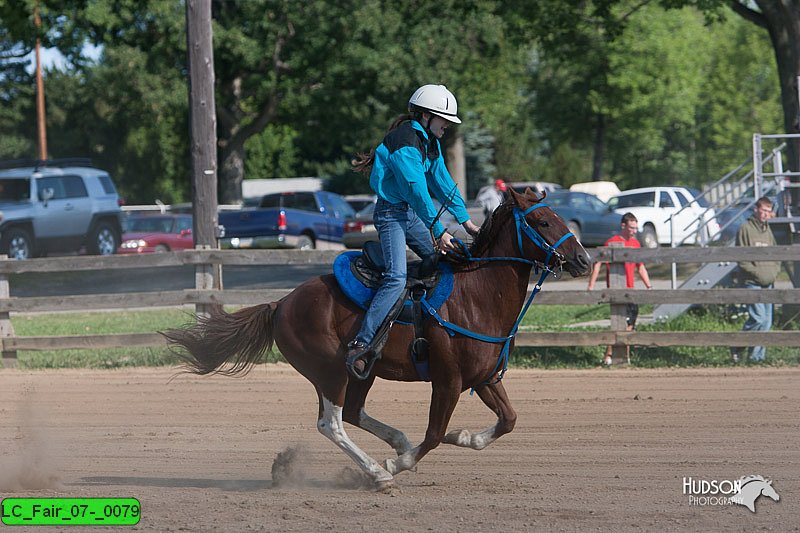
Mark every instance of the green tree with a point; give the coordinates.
(740, 96)
(655, 79)
(17, 112)
(271, 153)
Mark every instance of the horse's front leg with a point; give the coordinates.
(443, 401)
(354, 413)
(494, 396)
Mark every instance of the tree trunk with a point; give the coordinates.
(232, 174)
(783, 23)
(599, 146)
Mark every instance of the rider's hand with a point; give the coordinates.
(446, 242)
(471, 228)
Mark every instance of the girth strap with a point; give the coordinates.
(420, 345)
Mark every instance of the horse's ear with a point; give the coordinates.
(531, 194)
(515, 196)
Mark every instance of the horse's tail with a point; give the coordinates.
(238, 338)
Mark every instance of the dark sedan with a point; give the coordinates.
(588, 217)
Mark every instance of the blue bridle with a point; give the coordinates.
(523, 228)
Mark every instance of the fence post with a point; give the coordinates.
(619, 322)
(206, 277)
(6, 328)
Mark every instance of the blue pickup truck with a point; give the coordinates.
(304, 220)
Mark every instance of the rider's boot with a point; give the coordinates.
(356, 358)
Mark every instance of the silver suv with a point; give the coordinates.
(60, 205)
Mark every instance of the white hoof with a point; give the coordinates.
(385, 485)
(460, 437)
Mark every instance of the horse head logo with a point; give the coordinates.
(751, 488)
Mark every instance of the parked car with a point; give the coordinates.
(62, 205)
(303, 219)
(360, 201)
(653, 207)
(156, 233)
(589, 218)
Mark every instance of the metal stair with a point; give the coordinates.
(705, 278)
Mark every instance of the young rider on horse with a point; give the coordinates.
(402, 168)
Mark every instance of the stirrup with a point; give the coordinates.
(369, 362)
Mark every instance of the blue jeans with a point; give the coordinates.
(760, 319)
(397, 225)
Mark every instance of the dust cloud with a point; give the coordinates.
(28, 464)
(289, 470)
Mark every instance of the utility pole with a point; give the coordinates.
(203, 132)
(40, 116)
(203, 121)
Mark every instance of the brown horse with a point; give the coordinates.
(311, 327)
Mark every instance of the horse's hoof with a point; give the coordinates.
(384, 486)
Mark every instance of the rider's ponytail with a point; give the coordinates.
(363, 162)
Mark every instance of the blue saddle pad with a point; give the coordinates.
(362, 295)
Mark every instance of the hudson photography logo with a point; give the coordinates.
(715, 492)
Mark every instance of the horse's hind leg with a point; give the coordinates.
(494, 396)
(331, 425)
(354, 413)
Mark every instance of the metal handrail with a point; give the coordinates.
(700, 220)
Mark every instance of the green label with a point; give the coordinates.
(70, 511)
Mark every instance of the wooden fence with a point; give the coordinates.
(206, 262)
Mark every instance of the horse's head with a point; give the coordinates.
(768, 491)
(542, 236)
(755, 486)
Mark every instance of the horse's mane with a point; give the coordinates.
(491, 226)
(747, 479)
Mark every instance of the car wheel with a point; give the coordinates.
(161, 248)
(575, 228)
(104, 240)
(649, 238)
(18, 244)
(304, 242)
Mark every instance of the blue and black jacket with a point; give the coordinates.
(407, 164)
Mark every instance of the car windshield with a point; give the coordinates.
(150, 224)
(556, 200)
(702, 200)
(367, 212)
(638, 199)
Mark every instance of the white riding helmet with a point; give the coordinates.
(436, 99)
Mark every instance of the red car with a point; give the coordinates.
(156, 233)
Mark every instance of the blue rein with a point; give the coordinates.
(523, 228)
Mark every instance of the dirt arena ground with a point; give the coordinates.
(595, 450)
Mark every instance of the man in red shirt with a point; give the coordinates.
(627, 236)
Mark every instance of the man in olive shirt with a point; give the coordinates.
(757, 274)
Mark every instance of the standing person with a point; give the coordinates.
(627, 236)
(757, 274)
(492, 197)
(402, 169)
